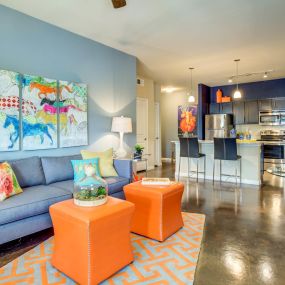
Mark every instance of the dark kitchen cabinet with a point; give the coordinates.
(251, 112)
(214, 108)
(279, 104)
(238, 112)
(265, 104)
(226, 108)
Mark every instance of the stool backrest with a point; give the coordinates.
(225, 148)
(184, 147)
(193, 147)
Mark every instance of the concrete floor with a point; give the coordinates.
(244, 240)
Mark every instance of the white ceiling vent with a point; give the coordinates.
(140, 82)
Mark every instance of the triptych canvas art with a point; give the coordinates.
(46, 113)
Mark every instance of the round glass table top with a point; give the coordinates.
(277, 170)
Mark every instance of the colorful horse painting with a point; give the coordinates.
(33, 130)
(8, 102)
(52, 102)
(46, 89)
(52, 119)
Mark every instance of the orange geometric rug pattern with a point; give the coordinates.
(171, 262)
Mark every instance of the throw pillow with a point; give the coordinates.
(86, 172)
(105, 161)
(9, 185)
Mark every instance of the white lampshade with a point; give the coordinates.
(191, 99)
(122, 125)
(237, 94)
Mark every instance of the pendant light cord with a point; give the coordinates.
(191, 80)
(237, 61)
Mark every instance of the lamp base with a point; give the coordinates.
(121, 152)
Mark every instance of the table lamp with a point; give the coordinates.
(121, 125)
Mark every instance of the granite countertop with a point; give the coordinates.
(245, 142)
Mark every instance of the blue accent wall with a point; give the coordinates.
(34, 47)
(254, 90)
(203, 99)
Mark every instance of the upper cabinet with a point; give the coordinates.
(221, 108)
(265, 104)
(251, 112)
(238, 111)
(226, 108)
(214, 108)
(279, 103)
(247, 112)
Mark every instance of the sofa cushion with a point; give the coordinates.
(9, 185)
(33, 201)
(58, 168)
(67, 185)
(105, 161)
(116, 184)
(28, 171)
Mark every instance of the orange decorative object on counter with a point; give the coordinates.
(92, 243)
(219, 95)
(226, 99)
(157, 209)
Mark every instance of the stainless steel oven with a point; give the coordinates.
(273, 146)
(271, 118)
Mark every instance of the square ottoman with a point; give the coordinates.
(92, 243)
(158, 209)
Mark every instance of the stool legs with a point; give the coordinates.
(240, 172)
(197, 169)
(214, 171)
(204, 167)
(220, 171)
(236, 171)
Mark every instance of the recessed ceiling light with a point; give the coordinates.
(265, 75)
(230, 80)
(168, 89)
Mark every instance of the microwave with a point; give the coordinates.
(272, 118)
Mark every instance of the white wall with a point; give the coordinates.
(148, 91)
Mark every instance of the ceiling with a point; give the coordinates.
(168, 36)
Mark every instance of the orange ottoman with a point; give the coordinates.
(92, 243)
(158, 209)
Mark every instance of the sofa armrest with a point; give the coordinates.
(124, 168)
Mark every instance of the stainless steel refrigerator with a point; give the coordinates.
(218, 126)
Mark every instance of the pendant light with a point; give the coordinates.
(237, 94)
(191, 98)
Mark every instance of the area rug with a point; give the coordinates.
(171, 262)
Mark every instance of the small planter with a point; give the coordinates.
(138, 155)
(90, 196)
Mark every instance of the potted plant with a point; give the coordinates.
(139, 151)
(91, 195)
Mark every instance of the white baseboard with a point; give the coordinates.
(217, 178)
(166, 159)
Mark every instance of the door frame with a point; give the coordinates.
(157, 161)
(145, 100)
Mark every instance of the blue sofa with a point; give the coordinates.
(45, 181)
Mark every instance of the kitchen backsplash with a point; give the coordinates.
(255, 129)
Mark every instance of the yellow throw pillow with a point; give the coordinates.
(9, 185)
(105, 161)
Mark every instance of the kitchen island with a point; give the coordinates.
(252, 165)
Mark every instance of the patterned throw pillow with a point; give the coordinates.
(86, 172)
(105, 161)
(9, 185)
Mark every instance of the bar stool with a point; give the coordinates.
(189, 148)
(226, 149)
(194, 153)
